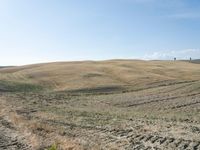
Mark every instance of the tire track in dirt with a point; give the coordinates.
(185, 105)
(153, 141)
(160, 100)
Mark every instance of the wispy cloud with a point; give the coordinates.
(188, 15)
(160, 3)
(181, 54)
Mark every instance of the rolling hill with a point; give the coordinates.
(108, 75)
(114, 104)
(197, 61)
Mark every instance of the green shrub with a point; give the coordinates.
(53, 147)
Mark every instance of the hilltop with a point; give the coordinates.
(99, 75)
(103, 75)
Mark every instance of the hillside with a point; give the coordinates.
(101, 105)
(197, 61)
(1, 67)
(117, 75)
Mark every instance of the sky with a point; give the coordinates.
(68, 30)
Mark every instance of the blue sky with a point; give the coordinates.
(64, 30)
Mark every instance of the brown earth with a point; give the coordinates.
(114, 104)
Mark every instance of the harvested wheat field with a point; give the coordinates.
(101, 105)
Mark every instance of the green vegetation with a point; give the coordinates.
(53, 147)
(11, 86)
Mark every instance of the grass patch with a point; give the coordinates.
(10, 86)
(53, 147)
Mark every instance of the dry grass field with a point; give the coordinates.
(101, 105)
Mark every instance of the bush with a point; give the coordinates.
(53, 147)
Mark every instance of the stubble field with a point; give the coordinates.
(117, 104)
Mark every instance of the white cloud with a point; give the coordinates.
(180, 54)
